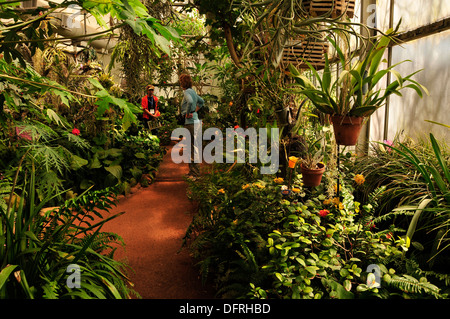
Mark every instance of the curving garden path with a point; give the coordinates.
(153, 226)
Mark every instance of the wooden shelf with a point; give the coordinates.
(312, 51)
(334, 8)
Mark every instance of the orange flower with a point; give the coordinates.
(278, 180)
(292, 161)
(359, 179)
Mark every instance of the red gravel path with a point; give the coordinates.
(153, 226)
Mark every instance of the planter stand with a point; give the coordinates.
(338, 167)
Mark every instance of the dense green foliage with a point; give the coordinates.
(252, 241)
(70, 141)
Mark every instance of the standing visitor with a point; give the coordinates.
(150, 108)
(190, 105)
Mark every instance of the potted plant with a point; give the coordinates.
(355, 95)
(312, 169)
(310, 163)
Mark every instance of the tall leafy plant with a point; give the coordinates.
(435, 202)
(39, 246)
(355, 92)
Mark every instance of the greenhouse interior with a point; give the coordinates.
(225, 150)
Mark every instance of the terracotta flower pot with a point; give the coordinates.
(312, 177)
(346, 129)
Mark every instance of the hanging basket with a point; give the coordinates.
(311, 50)
(312, 177)
(334, 8)
(346, 129)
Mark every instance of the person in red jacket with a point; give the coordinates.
(150, 109)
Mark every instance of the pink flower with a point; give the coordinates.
(76, 131)
(323, 212)
(388, 142)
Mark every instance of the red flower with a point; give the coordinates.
(76, 131)
(370, 224)
(323, 212)
(236, 126)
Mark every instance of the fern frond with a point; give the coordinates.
(50, 289)
(445, 278)
(51, 157)
(374, 196)
(411, 285)
(393, 214)
(78, 141)
(102, 241)
(248, 256)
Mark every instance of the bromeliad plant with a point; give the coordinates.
(355, 92)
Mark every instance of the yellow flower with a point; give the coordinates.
(258, 185)
(327, 201)
(221, 191)
(292, 161)
(246, 186)
(296, 190)
(335, 188)
(337, 203)
(278, 180)
(359, 179)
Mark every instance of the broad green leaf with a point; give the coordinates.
(115, 170)
(4, 274)
(312, 269)
(96, 83)
(53, 116)
(77, 162)
(279, 276)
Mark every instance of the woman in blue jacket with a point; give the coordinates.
(190, 105)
